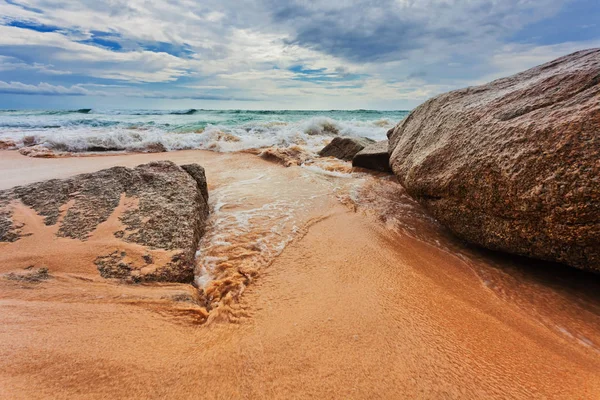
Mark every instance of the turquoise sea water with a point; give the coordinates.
(219, 130)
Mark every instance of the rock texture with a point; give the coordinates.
(345, 148)
(513, 165)
(375, 156)
(167, 210)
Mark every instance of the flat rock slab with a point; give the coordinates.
(345, 148)
(374, 156)
(158, 208)
(513, 165)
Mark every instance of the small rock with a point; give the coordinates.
(29, 141)
(375, 156)
(100, 148)
(37, 151)
(6, 144)
(155, 148)
(148, 258)
(345, 148)
(288, 156)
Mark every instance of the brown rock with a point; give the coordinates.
(7, 144)
(513, 165)
(345, 148)
(375, 156)
(167, 210)
(38, 151)
(29, 141)
(155, 147)
(97, 148)
(286, 156)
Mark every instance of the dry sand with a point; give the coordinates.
(371, 300)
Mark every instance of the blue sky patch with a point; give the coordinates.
(320, 75)
(578, 20)
(177, 50)
(34, 26)
(104, 39)
(24, 7)
(299, 69)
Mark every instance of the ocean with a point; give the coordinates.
(92, 130)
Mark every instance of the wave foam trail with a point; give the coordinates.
(255, 213)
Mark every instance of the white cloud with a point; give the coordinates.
(43, 89)
(138, 66)
(12, 64)
(514, 58)
(245, 50)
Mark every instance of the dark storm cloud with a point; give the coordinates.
(368, 30)
(361, 31)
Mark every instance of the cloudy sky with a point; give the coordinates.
(264, 54)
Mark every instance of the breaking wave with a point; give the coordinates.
(86, 130)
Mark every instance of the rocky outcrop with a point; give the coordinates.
(345, 148)
(513, 165)
(159, 205)
(375, 156)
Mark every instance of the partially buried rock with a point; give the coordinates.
(38, 151)
(155, 147)
(375, 156)
(159, 208)
(286, 156)
(29, 141)
(345, 148)
(6, 144)
(513, 165)
(98, 148)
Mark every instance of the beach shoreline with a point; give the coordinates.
(369, 297)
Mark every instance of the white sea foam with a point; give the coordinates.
(319, 170)
(254, 217)
(223, 132)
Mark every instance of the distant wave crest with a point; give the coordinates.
(224, 130)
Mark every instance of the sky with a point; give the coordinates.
(268, 54)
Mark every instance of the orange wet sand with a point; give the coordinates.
(351, 309)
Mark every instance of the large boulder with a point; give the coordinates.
(155, 214)
(345, 148)
(513, 165)
(375, 156)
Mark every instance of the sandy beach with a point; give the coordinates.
(363, 301)
(296, 199)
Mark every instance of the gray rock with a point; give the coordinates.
(199, 175)
(375, 156)
(170, 214)
(345, 148)
(513, 165)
